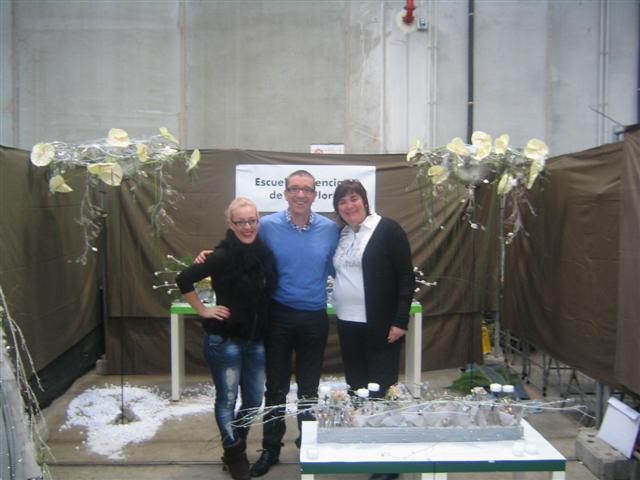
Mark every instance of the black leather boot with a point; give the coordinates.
(267, 458)
(235, 460)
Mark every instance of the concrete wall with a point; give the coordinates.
(281, 75)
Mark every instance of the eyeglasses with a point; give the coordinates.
(305, 190)
(243, 223)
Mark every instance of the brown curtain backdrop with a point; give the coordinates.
(54, 300)
(571, 282)
(137, 330)
(627, 356)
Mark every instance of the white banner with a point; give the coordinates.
(264, 184)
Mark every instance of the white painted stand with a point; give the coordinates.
(177, 355)
(431, 461)
(413, 348)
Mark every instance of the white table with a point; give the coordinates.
(413, 347)
(432, 461)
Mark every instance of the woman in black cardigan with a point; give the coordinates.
(243, 275)
(373, 289)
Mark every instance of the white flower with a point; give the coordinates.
(413, 153)
(165, 133)
(167, 151)
(458, 147)
(109, 172)
(193, 161)
(482, 143)
(536, 150)
(505, 184)
(479, 138)
(438, 174)
(57, 185)
(118, 138)
(42, 154)
(501, 144)
(143, 152)
(482, 151)
(536, 167)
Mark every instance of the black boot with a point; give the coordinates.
(235, 460)
(267, 458)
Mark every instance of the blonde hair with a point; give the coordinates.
(238, 203)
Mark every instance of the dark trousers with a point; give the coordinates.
(366, 360)
(292, 331)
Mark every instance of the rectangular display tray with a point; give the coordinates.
(418, 434)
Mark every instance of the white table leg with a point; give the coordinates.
(556, 475)
(177, 355)
(307, 476)
(413, 354)
(434, 476)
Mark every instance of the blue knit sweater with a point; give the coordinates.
(303, 259)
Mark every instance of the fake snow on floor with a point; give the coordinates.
(99, 412)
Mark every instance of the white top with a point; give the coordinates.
(348, 286)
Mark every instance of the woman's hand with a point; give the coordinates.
(395, 333)
(202, 256)
(219, 312)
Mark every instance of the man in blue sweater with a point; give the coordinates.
(303, 244)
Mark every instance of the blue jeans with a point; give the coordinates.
(235, 362)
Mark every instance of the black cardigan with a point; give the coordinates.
(244, 278)
(389, 280)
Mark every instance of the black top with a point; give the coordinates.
(389, 280)
(244, 277)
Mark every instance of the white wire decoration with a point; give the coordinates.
(113, 161)
(511, 170)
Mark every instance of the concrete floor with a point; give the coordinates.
(188, 447)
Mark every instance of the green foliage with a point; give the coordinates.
(483, 376)
(468, 380)
(503, 375)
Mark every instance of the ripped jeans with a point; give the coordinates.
(235, 363)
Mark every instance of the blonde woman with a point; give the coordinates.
(243, 275)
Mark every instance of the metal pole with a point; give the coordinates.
(496, 351)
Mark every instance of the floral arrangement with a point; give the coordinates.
(512, 171)
(167, 276)
(400, 409)
(403, 416)
(112, 161)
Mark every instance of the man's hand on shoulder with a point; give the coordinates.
(202, 256)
